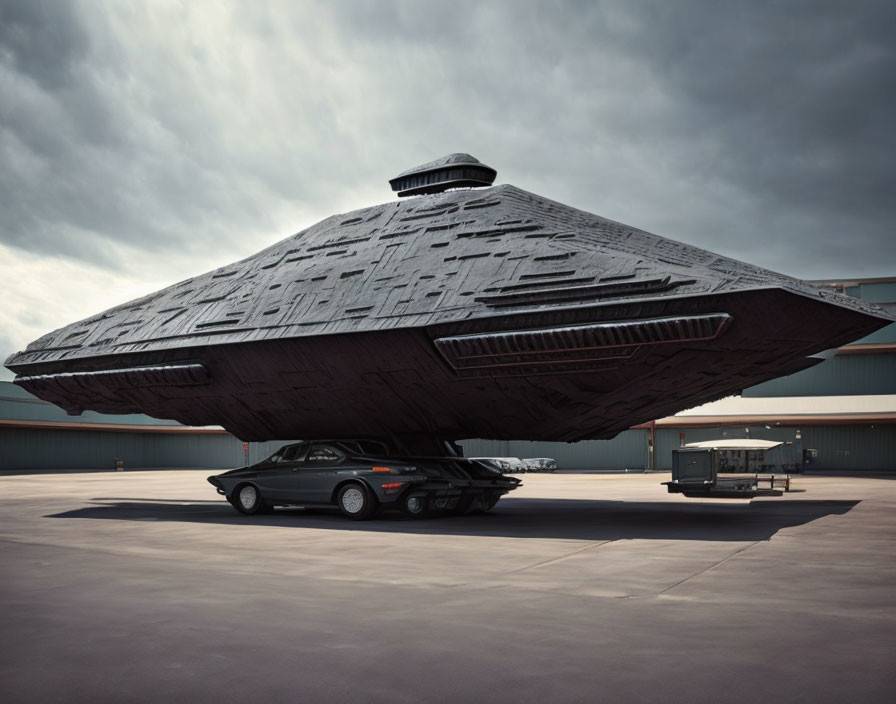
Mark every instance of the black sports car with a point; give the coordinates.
(361, 479)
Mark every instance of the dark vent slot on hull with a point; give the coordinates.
(338, 243)
(115, 379)
(541, 285)
(579, 293)
(562, 349)
(549, 275)
(215, 324)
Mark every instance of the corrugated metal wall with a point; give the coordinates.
(668, 439)
(887, 334)
(851, 447)
(29, 448)
(39, 448)
(839, 448)
(876, 292)
(18, 404)
(840, 375)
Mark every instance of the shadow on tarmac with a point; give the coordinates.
(566, 519)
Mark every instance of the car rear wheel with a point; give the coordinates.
(489, 501)
(463, 505)
(356, 502)
(247, 499)
(414, 505)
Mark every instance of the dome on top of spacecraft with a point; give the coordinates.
(456, 170)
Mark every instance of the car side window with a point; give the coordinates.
(325, 454)
(290, 453)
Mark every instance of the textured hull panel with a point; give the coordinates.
(431, 260)
(492, 313)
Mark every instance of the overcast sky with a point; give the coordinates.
(144, 143)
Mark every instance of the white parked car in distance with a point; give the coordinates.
(540, 464)
(515, 465)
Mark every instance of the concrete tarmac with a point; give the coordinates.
(148, 587)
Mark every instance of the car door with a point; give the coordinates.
(323, 468)
(280, 479)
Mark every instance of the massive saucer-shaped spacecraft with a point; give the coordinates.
(469, 310)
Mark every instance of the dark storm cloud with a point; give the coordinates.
(760, 130)
(797, 102)
(104, 142)
(48, 113)
(763, 130)
(43, 40)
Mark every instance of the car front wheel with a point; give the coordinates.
(356, 502)
(247, 499)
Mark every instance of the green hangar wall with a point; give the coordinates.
(35, 434)
(837, 447)
(38, 448)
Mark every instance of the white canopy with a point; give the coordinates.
(736, 444)
(794, 405)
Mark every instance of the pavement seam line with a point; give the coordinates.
(556, 559)
(711, 567)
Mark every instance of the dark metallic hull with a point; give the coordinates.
(490, 313)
